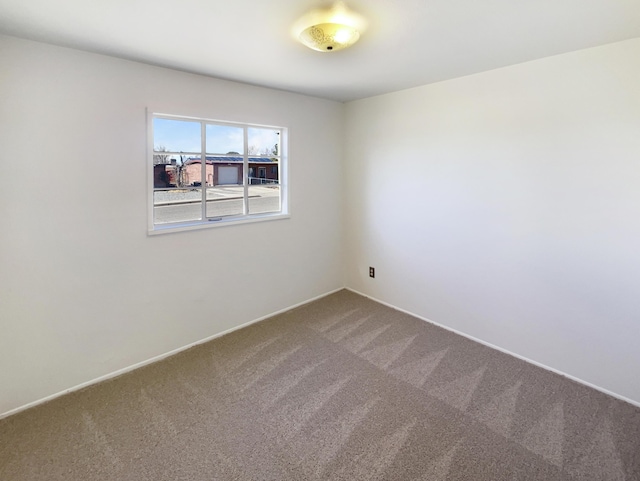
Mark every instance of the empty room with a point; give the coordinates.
(300, 240)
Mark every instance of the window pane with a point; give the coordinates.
(177, 205)
(225, 201)
(264, 198)
(263, 141)
(263, 171)
(227, 171)
(191, 172)
(176, 136)
(223, 139)
(171, 170)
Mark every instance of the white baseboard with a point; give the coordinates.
(228, 331)
(506, 351)
(158, 358)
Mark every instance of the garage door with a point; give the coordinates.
(227, 175)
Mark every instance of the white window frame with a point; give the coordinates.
(212, 222)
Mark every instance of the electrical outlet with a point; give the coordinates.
(372, 271)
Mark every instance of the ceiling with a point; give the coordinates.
(407, 43)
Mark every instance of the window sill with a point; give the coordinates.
(196, 225)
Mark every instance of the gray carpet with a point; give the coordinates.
(342, 388)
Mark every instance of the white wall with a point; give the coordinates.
(83, 290)
(507, 205)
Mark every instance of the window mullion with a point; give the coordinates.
(203, 167)
(245, 172)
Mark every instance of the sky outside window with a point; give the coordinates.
(263, 141)
(184, 136)
(176, 135)
(224, 139)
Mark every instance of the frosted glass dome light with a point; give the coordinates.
(329, 29)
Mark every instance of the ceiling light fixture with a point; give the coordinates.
(329, 29)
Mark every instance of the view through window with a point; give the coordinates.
(207, 171)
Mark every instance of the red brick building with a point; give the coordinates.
(229, 171)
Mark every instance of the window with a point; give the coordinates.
(203, 173)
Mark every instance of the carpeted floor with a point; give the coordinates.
(342, 388)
